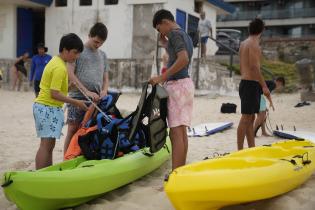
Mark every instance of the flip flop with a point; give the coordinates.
(306, 103)
(299, 105)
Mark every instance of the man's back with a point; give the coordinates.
(250, 59)
(178, 41)
(204, 27)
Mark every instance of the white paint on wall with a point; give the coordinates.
(79, 20)
(8, 31)
(146, 1)
(118, 20)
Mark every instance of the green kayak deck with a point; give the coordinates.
(77, 181)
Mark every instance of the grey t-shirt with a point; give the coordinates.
(90, 69)
(178, 40)
(204, 27)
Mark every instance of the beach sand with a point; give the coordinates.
(18, 145)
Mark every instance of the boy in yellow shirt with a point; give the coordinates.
(47, 108)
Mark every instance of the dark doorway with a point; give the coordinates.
(38, 28)
(30, 30)
(192, 29)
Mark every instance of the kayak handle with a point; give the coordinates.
(168, 150)
(147, 154)
(84, 166)
(304, 162)
(291, 161)
(7, 183)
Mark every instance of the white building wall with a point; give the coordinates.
(8, 31)
(188, 7)
(211, 14)
(274, 22)
(79, 20)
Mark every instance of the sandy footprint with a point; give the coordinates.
(19, 165)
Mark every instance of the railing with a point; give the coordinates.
(231, 50)
(281, 37)
(269, 14)
(234, 52)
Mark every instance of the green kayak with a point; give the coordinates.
(77, 181)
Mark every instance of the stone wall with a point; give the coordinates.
(214, 78)
(289, 49)
(5, 67)
(128, 75)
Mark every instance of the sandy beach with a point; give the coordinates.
(18, 145)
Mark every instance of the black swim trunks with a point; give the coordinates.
(21, 69)
(36, 86)
(250, 92)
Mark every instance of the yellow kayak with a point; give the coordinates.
(244, 176)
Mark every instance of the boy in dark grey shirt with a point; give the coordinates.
(90, 74)
(178, 84)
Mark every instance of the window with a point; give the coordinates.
(281, 2)
(110, 2)
(192, 23)
(85, 2)
(295, 31)
(198, 6)
(61, 3)
(251, 4)
(192, 28)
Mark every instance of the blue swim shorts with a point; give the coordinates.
(204, 39)
(49, 121)
(263, 106)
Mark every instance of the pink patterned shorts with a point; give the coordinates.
(180, 102)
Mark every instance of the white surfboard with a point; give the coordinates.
(295, 135)
(207, 129)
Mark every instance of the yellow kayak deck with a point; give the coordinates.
(244, 176)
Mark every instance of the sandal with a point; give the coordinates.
(299, 105)
(306, 103)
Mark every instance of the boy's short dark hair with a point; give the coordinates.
(160, 15)
(256, 26)
(281, 79)
(71, 41)
(99, 30)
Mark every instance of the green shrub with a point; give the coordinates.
(235, 67)
(285, 70)
(277, 68)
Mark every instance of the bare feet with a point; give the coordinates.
(159, 188)
(266, 134)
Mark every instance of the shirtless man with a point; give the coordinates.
(252, 83)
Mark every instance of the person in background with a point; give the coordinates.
(205, 30)
(39, 62)
(1, 75)
(260, 121)
(19, 71)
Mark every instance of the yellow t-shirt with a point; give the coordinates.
(55, 77)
